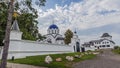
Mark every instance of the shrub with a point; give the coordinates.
(116, 47)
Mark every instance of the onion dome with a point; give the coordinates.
(53, 26)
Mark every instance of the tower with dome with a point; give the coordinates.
(53, 35)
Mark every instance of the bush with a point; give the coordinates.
(116, 47)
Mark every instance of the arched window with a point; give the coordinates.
(55, 31)
(52, 32)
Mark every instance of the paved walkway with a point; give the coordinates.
(13, 65)
(105, 60)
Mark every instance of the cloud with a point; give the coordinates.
(87, 38)
(116, 38)
(82, 15)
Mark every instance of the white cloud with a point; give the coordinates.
(82, 15)
(116, 38)
(88, 38)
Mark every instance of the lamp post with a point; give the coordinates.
(7, 34)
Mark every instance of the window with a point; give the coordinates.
(108, 45)
(103, 45)
(52, 31)
(55, 31)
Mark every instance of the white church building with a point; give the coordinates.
(53, 35)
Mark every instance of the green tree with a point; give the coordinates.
(68, 35)
(28, 8)
(26, 19)
(3, 20)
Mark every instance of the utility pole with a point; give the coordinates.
(7, 35)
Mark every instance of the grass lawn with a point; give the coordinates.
(39, 60)
(116, 50)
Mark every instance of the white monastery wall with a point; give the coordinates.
(90, 48)
(21, 48)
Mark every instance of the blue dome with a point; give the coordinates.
(53, 26)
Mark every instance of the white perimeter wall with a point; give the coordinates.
(90, 48)
(21, 49)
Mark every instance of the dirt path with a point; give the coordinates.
(105, 60)
(13, 65)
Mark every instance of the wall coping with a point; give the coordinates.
(35, 42)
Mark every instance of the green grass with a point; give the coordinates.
(116, 50)
(39, 60)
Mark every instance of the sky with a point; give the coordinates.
(90, 18)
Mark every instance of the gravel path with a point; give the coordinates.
(14, 65)
(105, 60)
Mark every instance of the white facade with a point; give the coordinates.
(23, 48)
(53, 35)
(75, 43)
(104, 42)
(16, 35)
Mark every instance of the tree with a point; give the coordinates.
(68, 35)
(3, 20)
(26, 20)
(7, 35)
(28, 3)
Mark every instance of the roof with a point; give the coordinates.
(60, 38)
(102, 40)
(106, 35)
(15, 26)
(96, 40)
(112, 41)
(87, 44)
(53, 26)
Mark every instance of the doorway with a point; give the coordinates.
(77, 47)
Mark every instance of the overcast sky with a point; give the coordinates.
(90, 18)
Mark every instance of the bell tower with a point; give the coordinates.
(15, 33)
(75, 42)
